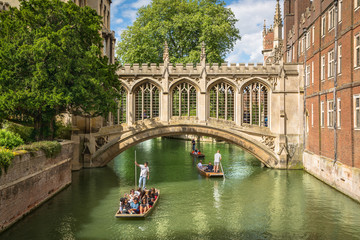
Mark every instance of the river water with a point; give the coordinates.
(251, 203)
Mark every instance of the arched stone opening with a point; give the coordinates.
(119, 144)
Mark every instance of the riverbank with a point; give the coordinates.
(31, 179)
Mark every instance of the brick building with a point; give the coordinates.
(323, 37)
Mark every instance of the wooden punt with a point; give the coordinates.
(197, 155)
(209, 174)
(144, 215)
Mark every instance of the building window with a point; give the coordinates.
(357, 50)
(255, 105)
(104, 49)
(222, 97)
(299, 48)
(331, 64)
(322, 111)
(313, 35)
(340, 11)
(331, 19)
(307, 78)
(293, 53)
(338, 109)
(120, 115)
(322, 68)
(339, 58)
(312, 72)
(357, 4)
(312, 115)
(330, 113)
(303, 44)
(307, 40)
(357, 111)
(323, 24)
(184, 100)
(147, 103)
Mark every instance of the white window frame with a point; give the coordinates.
(312, 72)
(357, 51)
(323, 68)
(293, 54)
(313, 35)
(307, 77)
(331, 15)
(303, 44)
(299, 48)
(331, 64)
(330, 113)
(356, 110)
(307, 43)
(312, 115)
(339, 58)
(340, 11)
(322, 112)
(356, 4)
(338, 115)
(323, 25)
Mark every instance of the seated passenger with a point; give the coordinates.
(131, 195)
(199, 152)
(126, 207)
(121, 205)
(200, 166)
(143, 206)
(196, 151)
(134, 207)
(209, 168)
(138, 192)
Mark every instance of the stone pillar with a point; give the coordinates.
(238, 107)
(130, 111)
(165, 107)
(202, 96)
(202, 107)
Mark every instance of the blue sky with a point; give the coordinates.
(250, 13)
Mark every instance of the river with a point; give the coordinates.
(251, 203)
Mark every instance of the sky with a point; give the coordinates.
(250, 13)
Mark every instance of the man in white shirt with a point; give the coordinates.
(143, 174)
(217, 159)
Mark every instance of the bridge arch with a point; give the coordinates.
(127, 139)
(184, 79)
(215, 81)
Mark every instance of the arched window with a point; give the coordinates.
(222, 97)
(255, 105)
(184, 100)
(120, 115)
(147, 104)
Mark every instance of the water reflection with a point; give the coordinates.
(252, 203)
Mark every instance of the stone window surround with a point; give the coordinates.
(357, 51)
(322, 114)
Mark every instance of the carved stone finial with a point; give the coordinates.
(166, 52)
(277, 17)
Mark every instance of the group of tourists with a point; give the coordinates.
(210, 167)
(195, 150)
(137, 202)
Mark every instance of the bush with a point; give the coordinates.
(9, 139)
(51, 149)
(63, 131)
(26, 133)
(6, 156)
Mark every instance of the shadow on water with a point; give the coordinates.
(64, 214)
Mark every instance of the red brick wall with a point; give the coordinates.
(320, 140)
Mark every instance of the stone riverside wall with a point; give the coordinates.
(342, 177)
(31, 180)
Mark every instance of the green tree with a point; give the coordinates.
(51, 62)
(184, 24)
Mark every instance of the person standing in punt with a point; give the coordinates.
(217, 159)
(143, 174)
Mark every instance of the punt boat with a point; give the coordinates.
(209, 174)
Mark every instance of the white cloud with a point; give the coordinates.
(119, 20)
(116, 3)
(251, 15)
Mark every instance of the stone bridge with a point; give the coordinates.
(257, 107)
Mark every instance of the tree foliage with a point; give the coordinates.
(184, 24)
(51, 62)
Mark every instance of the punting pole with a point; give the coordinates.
(222, 170)
(135, 170)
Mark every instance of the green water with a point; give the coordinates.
(252, 203)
